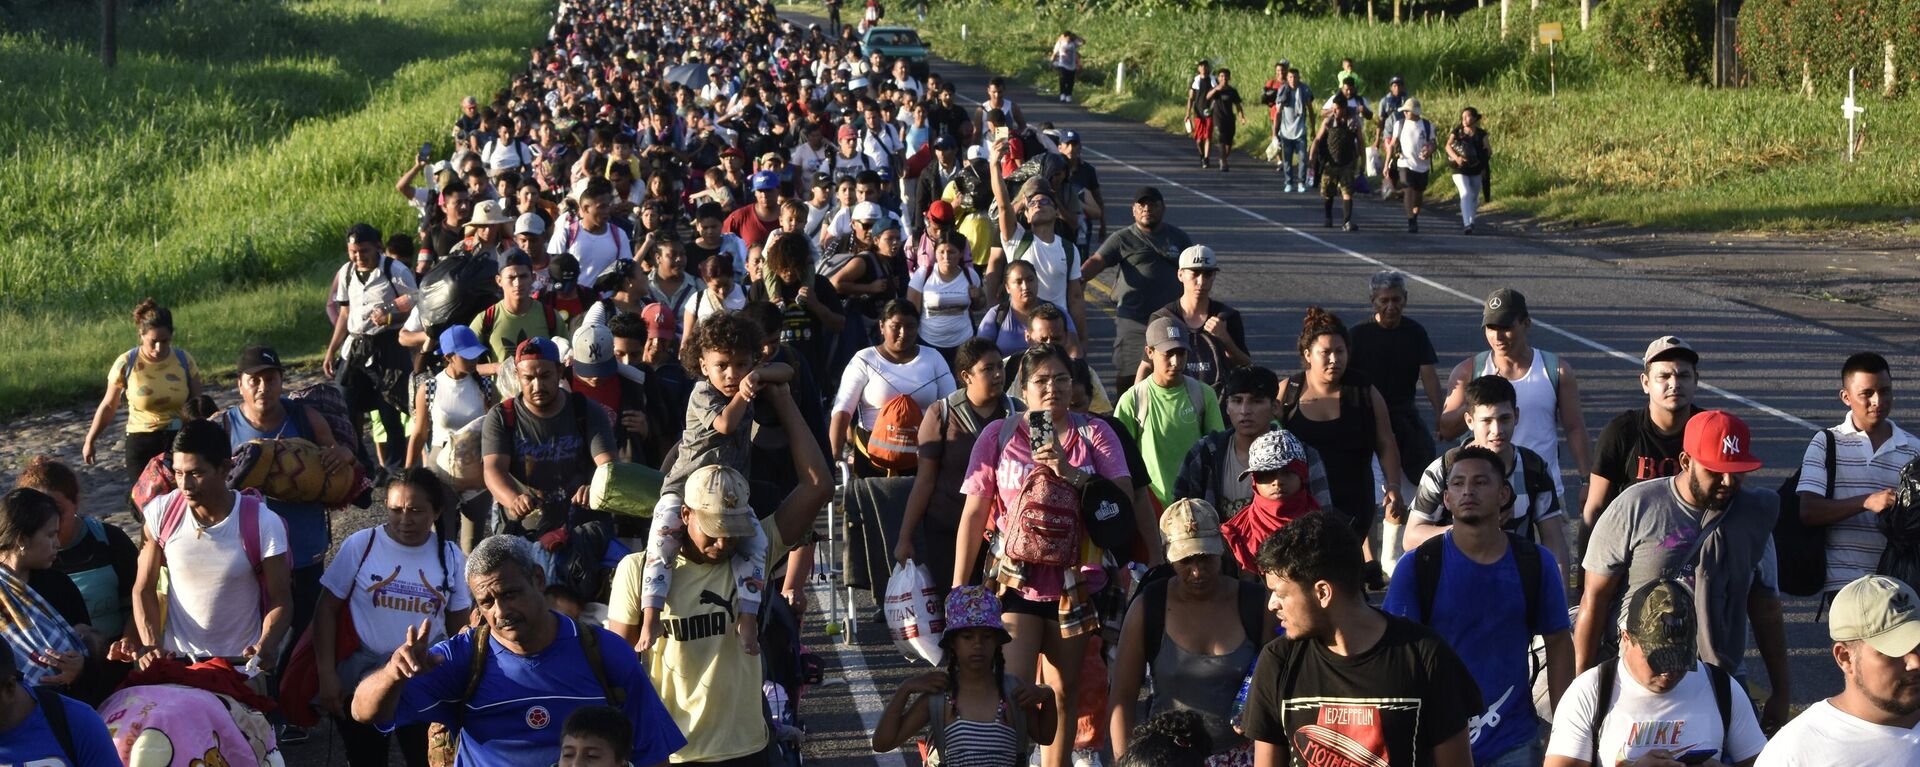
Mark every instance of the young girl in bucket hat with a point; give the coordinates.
(974, 713)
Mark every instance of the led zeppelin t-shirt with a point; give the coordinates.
(1387, 706)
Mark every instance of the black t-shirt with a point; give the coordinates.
(550, 455)
(59, 591)
(1222, 104)
(1085, 176)
(1632, 450)
(1392, 358)
(1206, 360)
(800, 327)
(1148, 264)
(697, 256)
(441, 241)
(1389, 705)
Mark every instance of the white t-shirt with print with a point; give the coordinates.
(358, 296)
(390, 588)
(1053, 268)
(213, 598)
(1823, 735)
(1683, 720)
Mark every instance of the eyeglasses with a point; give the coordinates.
(1039, 201)
(1061, 381)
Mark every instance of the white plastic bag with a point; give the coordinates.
(915, 615)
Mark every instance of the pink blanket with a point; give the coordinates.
(171, 725)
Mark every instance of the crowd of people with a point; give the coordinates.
(696, 265)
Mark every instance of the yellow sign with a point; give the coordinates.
(1550, 32)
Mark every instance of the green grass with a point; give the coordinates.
(1616, 146)
(216, 168)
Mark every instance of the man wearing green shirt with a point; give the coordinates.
(1168, 411)
(518, 317)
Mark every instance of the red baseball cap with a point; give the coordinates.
(1720, 441)
(941, 211)
(659, 319)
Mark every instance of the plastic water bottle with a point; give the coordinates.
(1240, 701)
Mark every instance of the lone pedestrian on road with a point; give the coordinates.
(1335, 158)
(1225, 104)
(1412, 142)
(1066, 62)
(1292, 108)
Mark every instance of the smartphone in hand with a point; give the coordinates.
(1039, 429)
(426, 152)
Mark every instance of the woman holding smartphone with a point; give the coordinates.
(1045, 607)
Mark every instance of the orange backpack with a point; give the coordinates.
(894, 444)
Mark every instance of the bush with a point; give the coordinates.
(1670, 38)
(1778, 38)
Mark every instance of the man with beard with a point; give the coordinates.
(1701, 526)
(1875, 627)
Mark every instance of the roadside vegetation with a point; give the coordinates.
(216, 168)
(1619, 144)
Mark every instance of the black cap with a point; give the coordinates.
(258, 358)
(1148, 194)
(1505, 308)
(564, 268)
(945, 142)
(515, 257)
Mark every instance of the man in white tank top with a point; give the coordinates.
(1547, 392)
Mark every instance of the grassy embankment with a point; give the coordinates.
(216, 169)
(1616, 146)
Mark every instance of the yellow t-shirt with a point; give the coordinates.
(708, 684)
(155, 390)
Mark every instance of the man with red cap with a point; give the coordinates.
(939, 221)
(1703, 528)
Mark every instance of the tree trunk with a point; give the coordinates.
(109, 33)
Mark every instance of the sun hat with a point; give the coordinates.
(490, 213)
(973, 607)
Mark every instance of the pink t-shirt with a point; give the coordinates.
(1097, 451)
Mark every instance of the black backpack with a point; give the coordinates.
(1800, 548)
(1603, 702)
(1342, 145)
(55, 710)
(1428, 557)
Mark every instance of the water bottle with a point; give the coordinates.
(1240, 701)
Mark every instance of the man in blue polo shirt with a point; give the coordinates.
(535, 674)
(29, 734)
(1478, 604)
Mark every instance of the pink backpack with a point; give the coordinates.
(1043, 526)
(249, 506)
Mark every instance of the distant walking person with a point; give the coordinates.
(1412, 142)
(1066, 62)
(1467, 149)
(1335, 158)
(1224, 102)
(1293, 107)
(156, 378)
(1200, 110)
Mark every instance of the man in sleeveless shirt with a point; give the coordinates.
(1548, 392)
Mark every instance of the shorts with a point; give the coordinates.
(1411, 179)
(1012, 602)
(1202, 128)
(1336, 180)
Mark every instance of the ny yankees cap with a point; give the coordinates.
(1720, 441)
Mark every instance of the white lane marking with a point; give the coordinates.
(853, 669)
(1449, 290)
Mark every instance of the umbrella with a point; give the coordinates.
(1901, 524)
(693, 75)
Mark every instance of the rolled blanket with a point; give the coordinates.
(628, 489)
(291, 470)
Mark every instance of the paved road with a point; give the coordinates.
(1777, 371)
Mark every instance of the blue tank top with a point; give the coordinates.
(307, 533)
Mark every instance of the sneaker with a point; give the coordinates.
(1086, 757)
(1286, 188)
(1349, 227)
(1413, 226)
(1468, 229)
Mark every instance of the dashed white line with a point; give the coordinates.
(854, 671)
(1447, 289)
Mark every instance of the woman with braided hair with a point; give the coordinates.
(973, 712)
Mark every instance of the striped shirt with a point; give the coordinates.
(1854, 544)
(979, 744)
